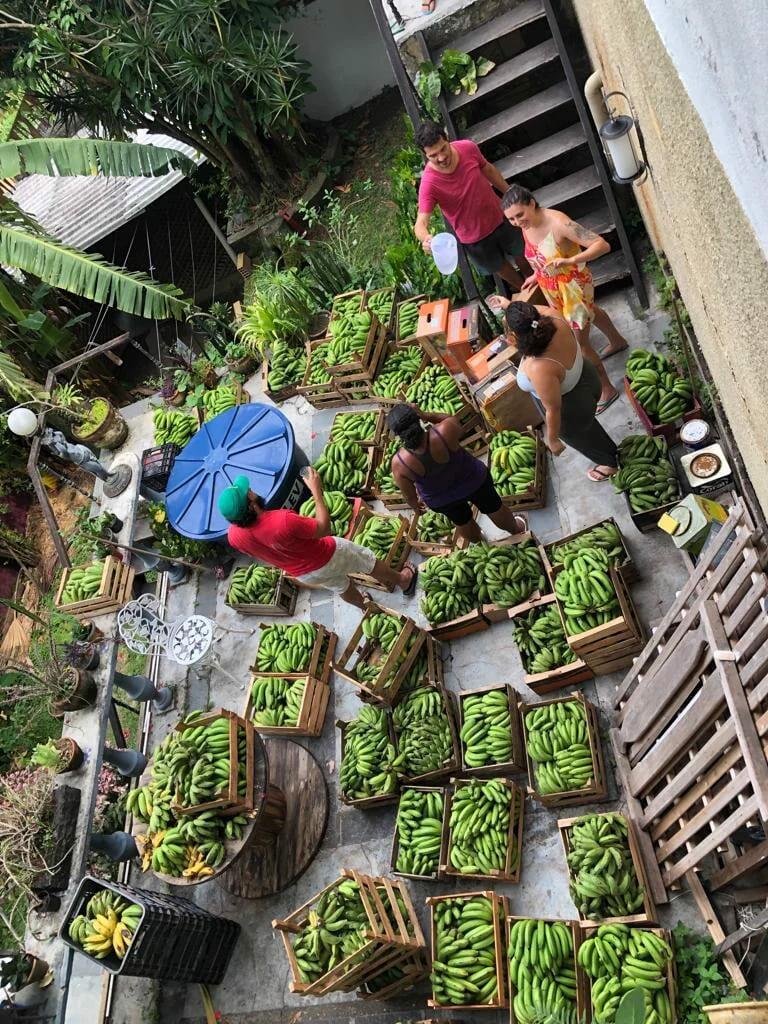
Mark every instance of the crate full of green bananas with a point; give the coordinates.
(341, 510)
(399, 368)
(489, 731)
(317, 385)
(605, 872)
(347, 467)
(407, 318)
(485, 830)
(585, 586)
(104, 925)
(618, 959)
(548, 659)
(432, 533)
(387, 537)
(383, 654)
(95, 589)
(369, 766)
(426, 735)
(382, 304)
(172, 426)
(363, 427)
(518, 468)
(565, 759)
(661, 395)
(385, 489)
(283, 370)
(606, 535)
(542, 971)
(261, 590)
(303, 647)
(417, 841)
(648, 479)
(468, 951)
(290, 705)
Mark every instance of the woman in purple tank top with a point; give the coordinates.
(433, 470)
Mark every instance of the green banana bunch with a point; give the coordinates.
(604, 535)
(407, 319)
(287, 365)
(423, 731)
(436, 391)
(317, 368)
(464, 968)
(586, 590)
(557, 738)
(173, 426)
(334, 929)
(378, 533)
(646, 473)
(339, 509)
(541, 641)
(342, 467)
(486, 732)
(354, 426)
(454, 584)
(542, 970)
(512, 462)
(83, 582)
(603, 880)
(348, 329)
(417, 675)
(434, 528)
(369, 763)
(383, 480)
(419, 828)
(381, 303)
(398, 370)
(479, 841)
(277, 702)
(620, 959)
(382, 632)
(219, 400)
(253, 584)
(107, 925)
(658, 386)
(286, 649)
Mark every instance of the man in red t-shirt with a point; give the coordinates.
(459, 180)
(302, 545)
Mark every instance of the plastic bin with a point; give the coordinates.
(156, 465)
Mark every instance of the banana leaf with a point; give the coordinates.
(70, 157)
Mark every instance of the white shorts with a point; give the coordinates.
(334, 575)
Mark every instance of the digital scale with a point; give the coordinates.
(707, 470)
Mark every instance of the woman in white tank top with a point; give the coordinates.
(565, 386)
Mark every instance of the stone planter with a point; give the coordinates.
(738, 1013)
(111, 431)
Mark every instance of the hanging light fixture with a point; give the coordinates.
(616, 135)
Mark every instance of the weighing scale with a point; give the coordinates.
(707, 471)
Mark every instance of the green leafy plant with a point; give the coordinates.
(456, 72)
(48, 755)
(171, 544)
(280, 311)
(701, 981)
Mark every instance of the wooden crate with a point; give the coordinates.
(453, 764)
(514, 839)
(321, 660)
(582, 1000)
(348, 295)
(281, 394)
(536, 495)
(311, 714)
(626, 566)
(390, 322)
(517, 764)
(361, 369)
(494, 612)
(366, 801)
(430, 548)
(500, 906)
(395, 558)
(669, 431)
(375, 440)
(229, 802)
(586, 932)
(464, 625)
(286, 592)
(597, 791)
(321, 396)
(613, 645)
(361, 649)
(556, 678)
(649, 914)
(390, 349)
(114, 590)
(413, 971)
(648, 519)
(410, 338)
(396, 838)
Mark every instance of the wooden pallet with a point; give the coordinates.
(229, 802)
(517, 763)
(625, 565)
(395, 558)
(435, 876)
(597, 790)
(321, 659)
(321, 396)
(510, 873)
(284, 604)
(582, 999)
(311, 714)
(572, 674)
(114, 591)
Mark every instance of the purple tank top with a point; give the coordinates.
(445, 482)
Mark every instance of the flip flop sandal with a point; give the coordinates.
(410, 590)
(602, 406)
(600, 477)
(522, 522)
(612, 353)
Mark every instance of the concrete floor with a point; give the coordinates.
(256, 987)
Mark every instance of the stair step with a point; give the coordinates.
(540, 103)
(494, 29)
(611, 267)
(541, 152)
(598, 220)
(507, 72)
(573, 185)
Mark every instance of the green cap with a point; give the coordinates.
(233, 501)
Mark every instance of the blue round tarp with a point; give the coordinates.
(251, 440)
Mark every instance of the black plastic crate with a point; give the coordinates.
(175, 939)
(156, 465)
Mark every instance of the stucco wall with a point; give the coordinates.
(349, 62)
(690, 205)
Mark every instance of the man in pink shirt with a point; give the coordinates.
(459, 180)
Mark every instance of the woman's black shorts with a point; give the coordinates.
(485, 498)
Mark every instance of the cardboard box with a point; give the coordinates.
(503, 404)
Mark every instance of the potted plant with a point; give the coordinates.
(58, 756)
(182, 382)
(240, 359)
(90, 531)
(94, 421)
(81, 654)
(21, 969)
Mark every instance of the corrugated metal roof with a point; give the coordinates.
(80, 211)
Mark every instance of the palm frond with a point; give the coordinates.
(88, 275)
(69, 157)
